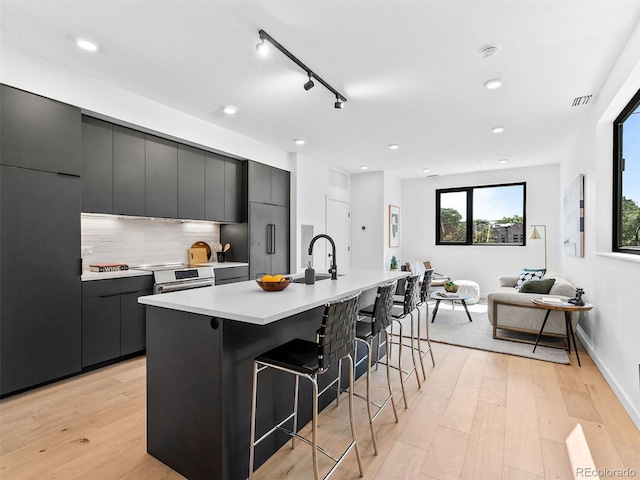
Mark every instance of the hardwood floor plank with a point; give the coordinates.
(580, 405)
(421, 430)
(545, 381)
(553, 421)
(510, 473)
(403, 463)
(556, 460)
(493, 390)
(485, 449)
(446, 456)
(461, 409)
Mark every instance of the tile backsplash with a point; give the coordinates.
(136, 241)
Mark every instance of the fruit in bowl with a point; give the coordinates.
(450, 287)
(273, 283)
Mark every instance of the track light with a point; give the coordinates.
(309, 85)
(262, 46)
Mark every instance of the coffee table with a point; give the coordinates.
(453, 297)
(567, 308)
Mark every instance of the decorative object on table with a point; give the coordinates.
(273, 283)
(534, 235)
(529, 274)
(197, 255)
(221, 251)
(394, 263)
(394, 226)
(310, 275)
(574, 218)
(108, 267)
(204, 245)
(577, 300)
(450, 286)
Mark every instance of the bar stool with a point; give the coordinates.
(409, 301)
(378, 320)
(425, 295)
(335, 340)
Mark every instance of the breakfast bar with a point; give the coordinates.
(200, 349)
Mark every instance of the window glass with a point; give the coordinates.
(483, 215)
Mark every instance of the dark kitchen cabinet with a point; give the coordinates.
(40, 310)
(233, 190)
(39, 133)
(97, 166)
(113, 322)
(231, 274)
(268, 184)
(268, 239)
(128, 171)
(191, 182)
(161, 183)
(214, 194)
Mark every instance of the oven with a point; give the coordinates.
(173, 278)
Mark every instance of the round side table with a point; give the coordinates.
(567, 308)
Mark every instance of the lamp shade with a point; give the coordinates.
(534, 235)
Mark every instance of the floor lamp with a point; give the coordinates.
(534, 235)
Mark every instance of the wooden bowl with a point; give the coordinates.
(274, 286)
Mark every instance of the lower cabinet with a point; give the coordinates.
(113, 322)
(231, 274)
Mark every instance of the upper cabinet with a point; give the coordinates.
(191, 183)
(268, 184)
(161, 178)
(127, 172)
(25, 117)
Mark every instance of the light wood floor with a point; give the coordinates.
(479, 415)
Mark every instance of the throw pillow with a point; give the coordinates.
(529, 274)
(537, 286)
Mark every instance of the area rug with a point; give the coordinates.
(453, 327)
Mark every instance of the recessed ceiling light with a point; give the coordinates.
(498, 129)
(229, 110)
(363, 167)
(425, 170)
(503, 160)
(493, 83)
(87, 45)
(299, 141)
(394, 146)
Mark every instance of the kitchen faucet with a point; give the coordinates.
(334, 268)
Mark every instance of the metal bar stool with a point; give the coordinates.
(335, 340)
(409, 301)
(378, 320)
(425, 295)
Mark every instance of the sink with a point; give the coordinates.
(319, 276)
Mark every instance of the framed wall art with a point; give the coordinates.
(394, 226)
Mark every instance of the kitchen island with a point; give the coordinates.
(200, 349)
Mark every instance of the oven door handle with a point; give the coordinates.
(174, 287)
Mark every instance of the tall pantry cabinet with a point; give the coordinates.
(40, 198)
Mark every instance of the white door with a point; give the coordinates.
(339, 228)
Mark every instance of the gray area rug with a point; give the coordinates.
(453, 327)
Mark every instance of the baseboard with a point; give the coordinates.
(626, 403)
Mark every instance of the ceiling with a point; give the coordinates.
(412, 71)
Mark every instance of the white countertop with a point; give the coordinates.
(247, 302)
(132, 272)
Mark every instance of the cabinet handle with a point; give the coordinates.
(271, 236)
(273, 239)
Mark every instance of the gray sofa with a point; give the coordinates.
(511, 311)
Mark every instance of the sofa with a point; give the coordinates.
(510, 311)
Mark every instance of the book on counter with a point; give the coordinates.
(108, 267)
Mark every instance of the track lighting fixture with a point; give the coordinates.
(309, 85)
(262, 48)
(340, 99)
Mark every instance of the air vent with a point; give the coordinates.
(581, 101)
(432, 176)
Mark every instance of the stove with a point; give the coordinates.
(179, 276)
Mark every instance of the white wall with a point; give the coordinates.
(312, 182)
(611, 331)
(482, 263)
(392, 196)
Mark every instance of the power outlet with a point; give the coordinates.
(86, 250)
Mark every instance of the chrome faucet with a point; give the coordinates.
(334, 268)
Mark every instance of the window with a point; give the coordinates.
(626, 179)
(486, 215)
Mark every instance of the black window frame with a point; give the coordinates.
(618, 162)
(469, 220)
